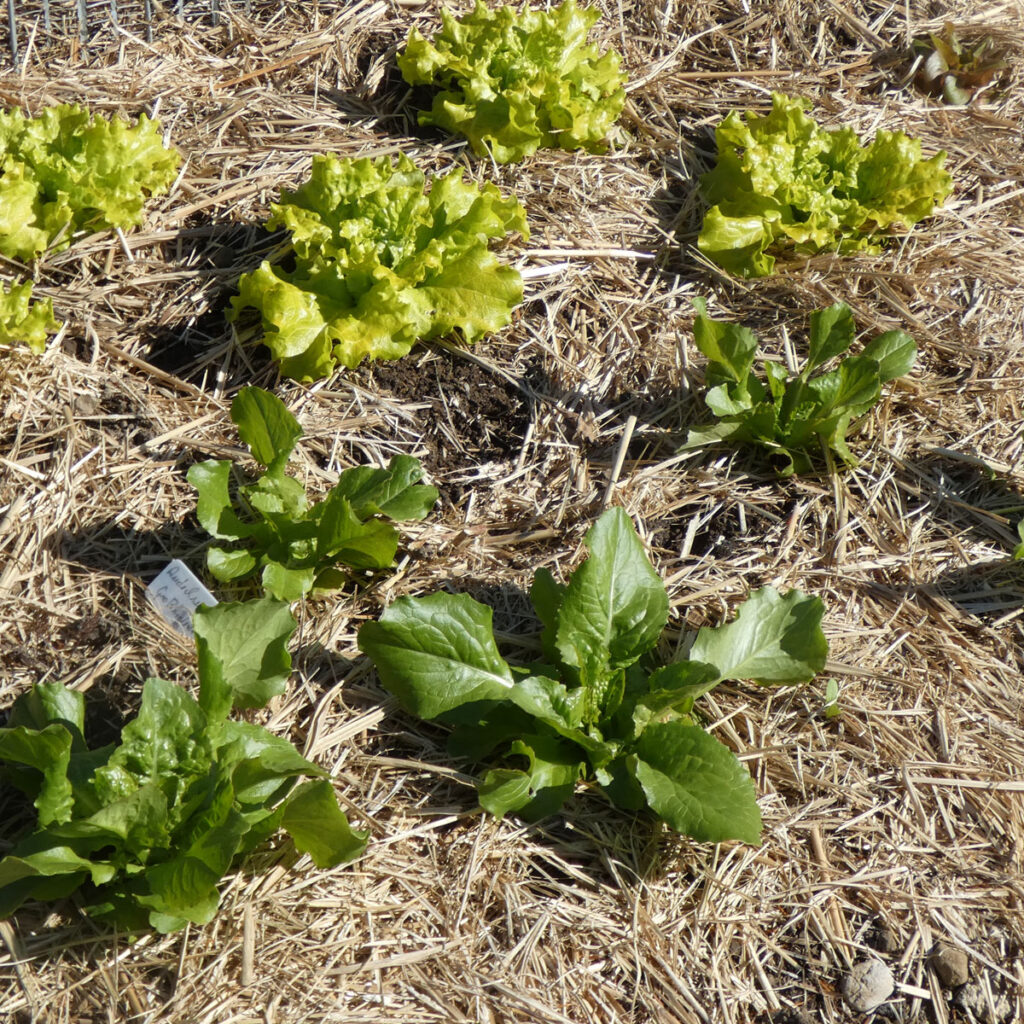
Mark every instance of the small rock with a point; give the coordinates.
(868, 984)
(973, 998)
(950, 964)
(883, 938)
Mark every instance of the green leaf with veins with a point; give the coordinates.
(595, 710)
(292, 544)
(792, 416)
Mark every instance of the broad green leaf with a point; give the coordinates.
(286, 585)
(563, 710)
(435, 653)
(242, 648)
(319, 827)
(48, 751)
(546, 596)
(213, 509)
(343, 536)
(615, 605)
(729, 347)
(673, 689)
(548, 781)
(513, 81)
(394, 492)
(832, 331)
(51, 703)
(265, 424)
(775, 638)
(895, 353)
(696, 784)
(227, 565)
(261, 764)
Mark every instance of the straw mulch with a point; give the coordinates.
(890, 828)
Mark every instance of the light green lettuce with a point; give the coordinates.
(513, 82)
(22, 320)
(380, 263)
(66, 171)
(782, 183)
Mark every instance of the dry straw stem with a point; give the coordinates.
(901, 819)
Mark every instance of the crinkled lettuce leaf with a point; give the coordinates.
(67, 170)
(784, 184)
(513, 82)
(380, 263)
(22, 320)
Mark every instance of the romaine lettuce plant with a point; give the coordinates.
(789, 416)
(597, 705)
(512, 82)
(22, 320)
(379, 264)
(274, 528)
(782, 183)
(66, 171)
(145, 828)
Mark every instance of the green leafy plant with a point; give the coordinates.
(784, 184)
(832, 708)
(954, 70)
(512, 82)
(66, 171)
(379, 265)
(145, 828)
(1018, 551)
(273, 526)
(787, 416)
(22, 320)
(598, 704)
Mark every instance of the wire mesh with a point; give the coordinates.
(50, 18)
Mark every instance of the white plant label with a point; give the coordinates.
(176, 593)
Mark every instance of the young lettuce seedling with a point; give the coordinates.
(145, 828)
(789, 416)
(274, 527)
(597, 706)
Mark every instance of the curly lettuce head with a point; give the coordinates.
(782, 182)
(512, 83)
(67, 170)
(381, 262)
(22, 320)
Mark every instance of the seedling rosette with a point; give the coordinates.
(274, 530)
(787, 416)
(597, 706)
(512, 82)
(144, 829)
(381, 261)
(782, 184)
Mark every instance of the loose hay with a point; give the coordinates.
(899, 823)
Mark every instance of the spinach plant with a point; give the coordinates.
(274, 528)
(788, 416)
(145, 828)
(597, 705)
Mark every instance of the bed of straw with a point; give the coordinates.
(892, 826)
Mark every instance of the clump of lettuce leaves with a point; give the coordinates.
(791, 416)
(275, 530)
(598, 704)
(381, 263)
(512, 82)
(22, 320)
(783, 184)
(67, 171)
(143, 829)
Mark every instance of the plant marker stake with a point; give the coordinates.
(12, 33)
(176, 594)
